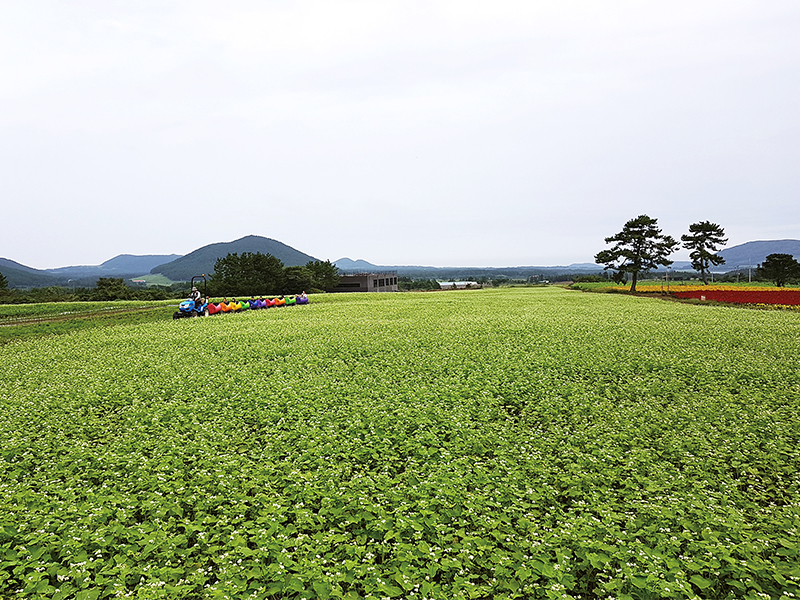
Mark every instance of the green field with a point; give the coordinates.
(154, 279)
(516, 443)
(29, 321)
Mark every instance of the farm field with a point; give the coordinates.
(18, 313)
(515, 443)
(29, 321)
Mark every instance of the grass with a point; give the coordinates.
(154, 279)
(31, 321)
(516, 443)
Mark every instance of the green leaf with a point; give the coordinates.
(296, 584)
(323, 589)
(700, 582)
(598, 561)
(639, 582)
(523, 573)
(391, 590)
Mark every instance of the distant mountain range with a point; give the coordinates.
(347, 265)
(124, 265)
(749, 254)
(753, 253)
(128, 266)
(202, 260)
(736, 257)
(352, 266)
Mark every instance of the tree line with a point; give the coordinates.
(641, 246)
(254, 273)
(106, 288)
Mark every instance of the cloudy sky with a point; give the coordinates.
(417, 132)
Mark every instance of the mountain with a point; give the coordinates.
(749, 254)
(353, 266)
(173, 266)
(349, 266)
(131, 263)
(122, 265)
(6, 264)
(20, 276)
(203, 259)
(754, 253)
(575, 267)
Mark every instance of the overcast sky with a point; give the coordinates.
(417, 132)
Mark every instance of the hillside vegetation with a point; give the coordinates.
(203, 259)
(518, 443)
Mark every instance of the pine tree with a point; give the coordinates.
(639, 247)
(704, 239)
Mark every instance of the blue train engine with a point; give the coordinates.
(196, 305)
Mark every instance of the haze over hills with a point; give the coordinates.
(202, 260)
(348, 265)
(124, 264)
(740, 256)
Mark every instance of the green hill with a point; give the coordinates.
(203, 259)
(19, 278)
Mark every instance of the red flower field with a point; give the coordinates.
(744, 296)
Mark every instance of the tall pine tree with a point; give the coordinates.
(704, 239)
(639, 247)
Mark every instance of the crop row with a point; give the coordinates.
(520, 443)
(21, 312)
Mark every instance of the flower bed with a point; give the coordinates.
(744, 296)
